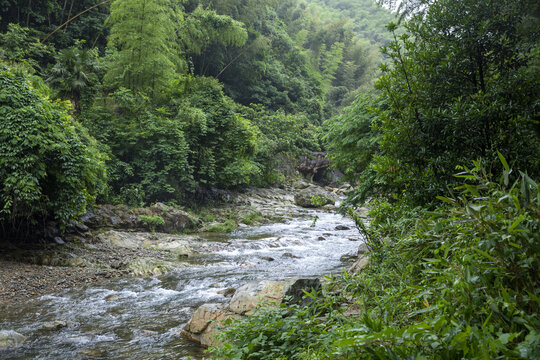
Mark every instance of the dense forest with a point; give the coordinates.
(147, 100)
(430, 109)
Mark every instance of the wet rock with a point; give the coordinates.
(229, 292)
(347, 257)
(11, 339)
(290, 255)
(117, 265)
(301, 184)
(59, 240)
(112, 297)
(330, 207)
(303, 197)
(120, 217)
(359, 265)
(342, 227)
(362, 249)
(54, 325)
(91, 353)
(202, 327)
(252, 294)
(149, 333)
(76, 262)
(81, 228)
(268, 258)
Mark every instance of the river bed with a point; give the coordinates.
(141, 318)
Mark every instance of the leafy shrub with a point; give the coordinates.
(226, 227)
(282, 139)
(221, 141)
(252, 217)
(149, 152)
(152, 222)
(50, 167)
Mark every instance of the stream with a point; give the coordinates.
(140, 318)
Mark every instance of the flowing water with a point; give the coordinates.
(140, 318)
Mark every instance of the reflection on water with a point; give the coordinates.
(141, 318)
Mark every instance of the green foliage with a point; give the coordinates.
(143, 45)
(351, 141)
(225, 227)
(221, 141)
(283, 138)
(44, 16)
(460, 283)
(21, 45)
(318, 201)
(74, 72)
(149, 152)
(251, 218)
(203, 28)
(459, 85)
(50, 167)
(152, 222)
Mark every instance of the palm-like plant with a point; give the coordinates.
(75, 70)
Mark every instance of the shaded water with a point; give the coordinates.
(140, 318)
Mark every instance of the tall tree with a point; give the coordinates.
(461, 85)
(143, 41)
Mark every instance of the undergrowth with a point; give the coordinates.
(458, 283)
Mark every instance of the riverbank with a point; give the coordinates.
(99, 255)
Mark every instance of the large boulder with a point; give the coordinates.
(303, 197)
(204, 325)
(175, 220)
(202, 328)
(120, 217)
(11, 339)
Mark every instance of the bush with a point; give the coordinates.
(50, 167)
(152, 222)
(221, 141)
(149, 152)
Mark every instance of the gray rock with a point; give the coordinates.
(295, 293)
(362, 249)
(11, 339)
(229, 292)
(59, 240)
(290, 255)
(203, 326)
(54, 325)
(82, 228)
(303, 197)
(120, 217)
(300, 185)
(359, 265)
(253, 294)
(342, 227)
